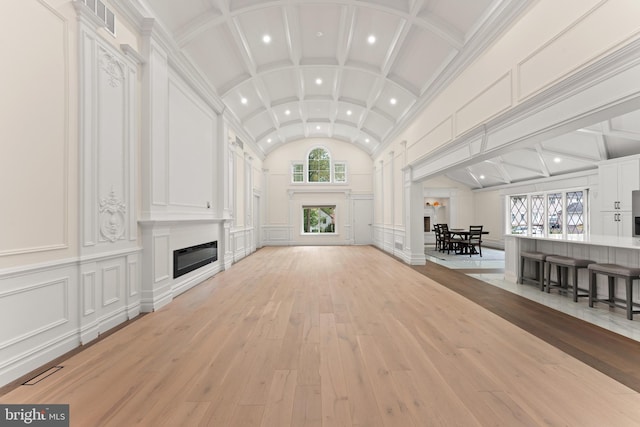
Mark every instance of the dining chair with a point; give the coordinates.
(474, 240)
(436, 228)
(448, 243)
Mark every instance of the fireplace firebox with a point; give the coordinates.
(194, 257)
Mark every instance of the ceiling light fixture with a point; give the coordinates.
(269, 140)
(318, 127)
(371, 39)
(481, 176)
(557, 159)
(287, 112)
(349, 112)
(318, 81)
(266, 39)
(393, 101)
(244, 100)
(319, 34)
(367, 140)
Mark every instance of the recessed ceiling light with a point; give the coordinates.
(266, 39)
(269, 140)
(393, 101)
(244, 100)
(287, 112)
(318, 127)
(481, 176)
(319, 34)
(367, 140)
(371, 39)
(318, 81)
(349, 112)
(557, 159)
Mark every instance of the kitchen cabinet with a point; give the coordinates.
(618, 179)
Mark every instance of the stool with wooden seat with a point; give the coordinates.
(538, 258)
(563, 265)
(613, 271)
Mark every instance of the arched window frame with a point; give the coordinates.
(329, 170)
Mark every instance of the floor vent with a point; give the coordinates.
(42, 375)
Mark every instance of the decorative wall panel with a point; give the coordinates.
(492, 101)
(33, 310)
(34, 107)
(578, 45)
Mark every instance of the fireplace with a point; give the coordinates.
(194, 257)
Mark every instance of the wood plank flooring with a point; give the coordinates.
(329, 336)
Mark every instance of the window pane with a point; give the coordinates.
(555, 213)
(297, 172)
(319, 164)
(340, 172)
(575, 212)
(537, 214)
(519, 224)
(318, 219)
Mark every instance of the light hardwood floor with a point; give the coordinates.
(328, 336)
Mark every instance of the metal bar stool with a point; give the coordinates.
(538, 258)
(563, 265)
(613, 271)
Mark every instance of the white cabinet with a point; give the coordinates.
(617, 181)
(617, 223)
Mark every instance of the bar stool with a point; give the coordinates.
(538, 258)
(563, 265)
(613, 271)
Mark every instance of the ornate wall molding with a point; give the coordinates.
(112, 217)
(113, 68)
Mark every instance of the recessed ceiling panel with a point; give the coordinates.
(318, 82)
(356, 85)
(421, 57)
(281, 85)
(319, 30)
(318, 110)
(207, 51)
(349, 113)
(581, 144)
(263, 30)
(257, 124)
(179, 15)
(374, 34)
(459, 15)
(243, 100)
(394, 101)
(377, 124)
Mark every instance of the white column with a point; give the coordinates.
(413, 200)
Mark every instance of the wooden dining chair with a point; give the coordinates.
(448, 243)
(474, 240)
(436, 229)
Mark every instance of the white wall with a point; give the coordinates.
(284, 200)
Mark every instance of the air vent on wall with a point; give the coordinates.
(104, 13)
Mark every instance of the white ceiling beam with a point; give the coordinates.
(498, 164)
(473, 177)
(198, 25)
(292, 34)
(451, 36)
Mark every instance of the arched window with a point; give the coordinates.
(319, 165)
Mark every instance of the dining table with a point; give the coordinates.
(464, 234)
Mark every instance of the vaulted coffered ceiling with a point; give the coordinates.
(359, 71)
(354, 70)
